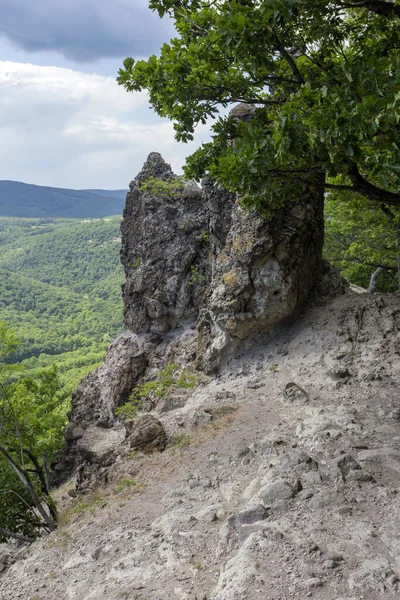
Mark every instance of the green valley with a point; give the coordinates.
(60, 291)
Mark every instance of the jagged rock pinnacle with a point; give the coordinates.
(155, 166)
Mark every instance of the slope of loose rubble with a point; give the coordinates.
(286, 485)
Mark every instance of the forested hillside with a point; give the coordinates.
(26, 200)
(60, 290)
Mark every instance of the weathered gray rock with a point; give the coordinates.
(109, 386)
(252, 513)
(98, 444)
(73, 431)
(295, 392)
(100, 393)
(173, 400)
(148, 435)
(275, 492)
(263, 275)
(164, 235)
(346, 464)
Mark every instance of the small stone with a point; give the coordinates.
(294, 392)
(254, 384)
(334, 556)
(208, 514)
(329, 564)
(338, 373)
(346, 464)
(251, 514)
(306, 494)
(313, 582)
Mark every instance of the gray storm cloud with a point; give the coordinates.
(84, 30)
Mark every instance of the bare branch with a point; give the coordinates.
(16, 536)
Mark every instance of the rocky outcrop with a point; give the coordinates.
(164, 231)
(197, 264)
(99, 394)
(262, 275)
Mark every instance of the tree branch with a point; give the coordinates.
(16, 536)
(370, 190)
(379, 7)
(374, 278)
(285, 54)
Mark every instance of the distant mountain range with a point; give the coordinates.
(26, 200)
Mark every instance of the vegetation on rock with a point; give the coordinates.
(150, 392)
(167, 189)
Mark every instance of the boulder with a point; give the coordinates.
(98, 444)
(148, 435)
(275, 492)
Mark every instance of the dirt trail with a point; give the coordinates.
(293, 494)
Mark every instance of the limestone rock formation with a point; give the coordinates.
(99, 394)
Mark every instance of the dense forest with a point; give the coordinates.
(60, 291)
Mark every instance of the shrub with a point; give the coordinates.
(172, 376)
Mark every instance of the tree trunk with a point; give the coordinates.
(374, 278)
(25, 480)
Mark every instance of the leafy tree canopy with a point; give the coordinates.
(363, 241)
(321, 75)
(32, 419)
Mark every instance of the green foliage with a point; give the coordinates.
(195, 275)
(88, 503)
(360, 237)
(172, 376)
(322, 76)
(205, 237)
(33, 416)
(60, 291)
(124, 484)
(180, 441)
(166, 189)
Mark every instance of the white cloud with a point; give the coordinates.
(65, 128)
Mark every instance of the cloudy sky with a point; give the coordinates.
(63, 119)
